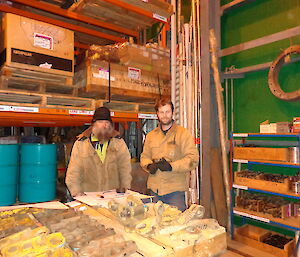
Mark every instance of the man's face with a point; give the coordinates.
(102, 129)
(165, 114)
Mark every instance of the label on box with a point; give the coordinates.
(43, 41)
(103, 74)
(240, 134)
(147, 116)
(159, 17)
(4, 108)
(81, 112)
(240, 161)
(240, 187)
(134, 73)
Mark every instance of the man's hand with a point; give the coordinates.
(152, 168)
(163, 165)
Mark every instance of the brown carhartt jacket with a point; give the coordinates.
(86, 172)
(178, 148)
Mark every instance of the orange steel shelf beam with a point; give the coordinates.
(133, 8)
(8, 9)
(75, 16)
(56, 117)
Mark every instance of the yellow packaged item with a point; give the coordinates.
(37, 246)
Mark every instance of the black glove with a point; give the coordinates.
(152, 168)
(163, 165)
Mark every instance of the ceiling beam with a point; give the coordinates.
(95, 33)
(75, 16)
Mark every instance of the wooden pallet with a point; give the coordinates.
(18, 97)
(28, 99)
(107, 12)
(34, 81)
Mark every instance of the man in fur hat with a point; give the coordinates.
(100, 159)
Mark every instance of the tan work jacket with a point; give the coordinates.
(86, 172)
(177, 147)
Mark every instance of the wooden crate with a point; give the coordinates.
(245, 235)
(150, 58)
(253, 232)
(262, 184)
(261, 153)
(35, 45)
(93, 78)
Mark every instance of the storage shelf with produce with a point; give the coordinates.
(265, 182)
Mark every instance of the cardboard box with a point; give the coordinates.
(94, 74)
(153, 59)
(274, 128)
(35, 45)
(261, 153)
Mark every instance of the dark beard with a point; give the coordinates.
(104, 135)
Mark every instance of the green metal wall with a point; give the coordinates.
(253, 101)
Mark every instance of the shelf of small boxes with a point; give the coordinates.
(131, 228)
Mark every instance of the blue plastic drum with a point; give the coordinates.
(37, 173)
(9, 170)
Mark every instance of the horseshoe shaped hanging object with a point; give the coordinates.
(273, 76)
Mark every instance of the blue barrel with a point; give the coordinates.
(9, 170)
(37, 173)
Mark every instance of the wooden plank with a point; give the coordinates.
(218, 187)
(262, 154)
(245, 250)
(261, 41)
(205, 189)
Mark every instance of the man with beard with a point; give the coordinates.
(169, 155)
(100, 159)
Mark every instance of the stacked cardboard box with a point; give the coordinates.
(150, 58)
(276, 128)
(34, 45)
(296, 125)
(136, 69)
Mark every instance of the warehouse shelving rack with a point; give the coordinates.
(289, 223)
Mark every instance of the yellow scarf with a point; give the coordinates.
(100, 151)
